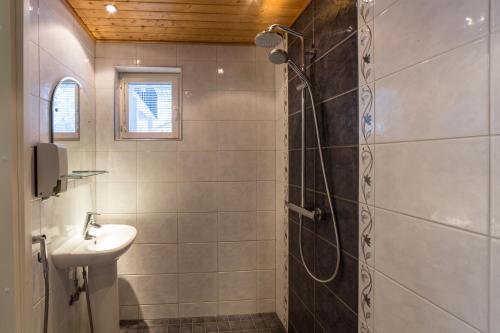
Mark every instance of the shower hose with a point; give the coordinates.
(327, 188)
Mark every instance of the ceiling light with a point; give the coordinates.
(111, 8)
(220, 71)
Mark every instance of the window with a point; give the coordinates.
(149, 106)
(65, 110)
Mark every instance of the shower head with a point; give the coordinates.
(268, 38)
(278, 56)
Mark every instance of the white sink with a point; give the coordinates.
(112, 241)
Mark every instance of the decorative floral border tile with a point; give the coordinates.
(364, 328)
(366, 235)
(366, 301)
(366, 77)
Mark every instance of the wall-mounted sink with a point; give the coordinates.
(100, 255)
(111, 241)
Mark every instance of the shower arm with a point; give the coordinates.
(287, 30)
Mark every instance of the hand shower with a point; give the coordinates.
(42, 258)
(278, 56)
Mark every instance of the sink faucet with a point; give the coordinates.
(90, 222)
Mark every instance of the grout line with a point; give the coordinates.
(490, 173)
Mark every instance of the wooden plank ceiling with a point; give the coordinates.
(212, 21)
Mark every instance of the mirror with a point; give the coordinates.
(65, 110)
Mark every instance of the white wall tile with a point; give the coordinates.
(495, 82)
(266, 287)
(495, 185)
(266, 251)
(266, 195)
(408, 107)
(198, 309)
(198, 75)
(198, 136)
(445, 180)
(156, 166)
(200, 287)
(236, 135)
(236, 196)
(236, 52)
(158, 311)
(237, 307)
(236, 75)
(197, 227)
(197, 197)
(264, 76)
(266, 225)
(156, 258)
(197, 166)
(167, 52)
(398, 309)
(237, 226)
(199, 105)
(266, 165)
(157, 228)
(236, 105)
(116, 197)
(147, 289)
(197, 257)
(435, 261)
(495, 287)
(396, 48)
(196, 51)
(237, 285)
(110, 50)
(266, 139)
(495, 15)
(122, 166)
(156, 197)
(235, 256)
(237, 165)
(129, 312)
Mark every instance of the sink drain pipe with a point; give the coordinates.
(42, 258)
(87, 296)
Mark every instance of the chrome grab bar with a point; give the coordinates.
(315, 214)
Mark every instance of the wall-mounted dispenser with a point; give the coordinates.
(51, 169)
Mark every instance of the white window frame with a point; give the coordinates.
(122, 114)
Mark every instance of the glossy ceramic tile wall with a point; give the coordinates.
(429, 166)
(329, 27)
(204, 207)
(57, 46)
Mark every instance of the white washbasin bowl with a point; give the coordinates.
(112, 241)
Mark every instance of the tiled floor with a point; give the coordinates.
(253, 323)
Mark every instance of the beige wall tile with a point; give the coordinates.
(266, 165)
(200, 287)
(266, 286)
(266, 195)
(157, 228)
(237, 135)
(266, 225)
(235, 256)
(266, 254)
(198, 136)
(237, 226)
(197, 166)
(237, 285)
(116, 197)
(197, 197)
(197, 227)
(236, 76)
(236, 196)
(197, 257)
(198, 75)
(237, 165)
(147, 289)
(199, 105)
(237, 307)
(156, 258)
(198, 309)
(157, 166)
(158, 311)
(155, 197)
(122, 166)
